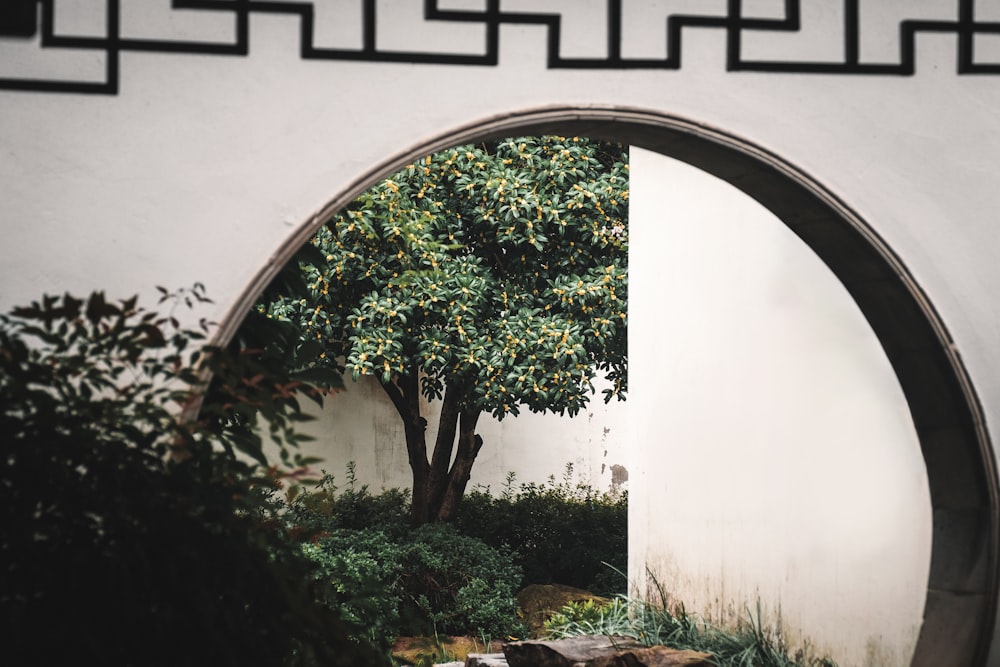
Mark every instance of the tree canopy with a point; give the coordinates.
(493, 277)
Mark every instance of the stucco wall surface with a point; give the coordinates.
(203, 167)
(783, 468)
(360, 424)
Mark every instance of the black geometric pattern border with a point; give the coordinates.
(26, 18)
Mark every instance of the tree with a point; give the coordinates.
(491, 277)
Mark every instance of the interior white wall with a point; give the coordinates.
(775, 460)
(360, 424)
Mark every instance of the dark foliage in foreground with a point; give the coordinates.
(132, 536)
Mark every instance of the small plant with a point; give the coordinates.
(437, 653)
(590, 617)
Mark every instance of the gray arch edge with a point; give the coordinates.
(960, 609)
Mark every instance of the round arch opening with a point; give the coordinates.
(959, 613)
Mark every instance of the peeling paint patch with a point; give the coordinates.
(619, 475)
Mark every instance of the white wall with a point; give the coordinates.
(361, 425)
(774, 457)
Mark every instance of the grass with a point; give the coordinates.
(750, 644)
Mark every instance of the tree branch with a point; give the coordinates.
(469, 444)
(447, 428)
(397, 398)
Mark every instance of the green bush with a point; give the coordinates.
(328, 506)
(463, 585)
(358, 573)
(563, 533)
(396, 581)
(433, 580)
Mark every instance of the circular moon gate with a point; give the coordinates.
(962, 587)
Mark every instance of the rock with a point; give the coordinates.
(594, 651)
(655, 656)
(565, 652)
(486, 660)
(538, 602)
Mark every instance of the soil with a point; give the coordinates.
(431, 650)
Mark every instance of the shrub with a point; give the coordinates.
(430, 581)
(129, 535)
(394, 580)
(326, 506)
(463, 585)
(358, 573)
(563, 533)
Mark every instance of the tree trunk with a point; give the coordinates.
(469, 444)
(444, 446)
(438, 484)
(405, 396)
